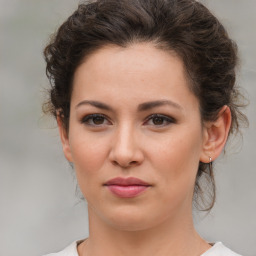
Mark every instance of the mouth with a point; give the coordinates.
(127, 187)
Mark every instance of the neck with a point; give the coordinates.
(171, 237)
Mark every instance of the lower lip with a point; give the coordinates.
(127, 191)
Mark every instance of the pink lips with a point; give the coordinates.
(126, 187)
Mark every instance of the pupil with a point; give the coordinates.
(158, 120)
(98, 120)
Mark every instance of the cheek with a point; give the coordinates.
(177, 160)
(89, 154)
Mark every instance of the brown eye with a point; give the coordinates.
(98, 120)
(95, 120)
(158, 120)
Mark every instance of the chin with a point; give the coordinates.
(131, 224)
(132, 219)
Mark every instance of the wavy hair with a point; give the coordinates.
(184, 26)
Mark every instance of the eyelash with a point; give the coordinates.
(89, 119)
(168, 120)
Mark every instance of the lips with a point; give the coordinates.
(127, 187)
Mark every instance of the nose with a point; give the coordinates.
(125, 150)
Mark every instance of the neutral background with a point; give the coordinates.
(39, 209)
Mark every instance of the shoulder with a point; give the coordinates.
(219, 249)
(71, 250)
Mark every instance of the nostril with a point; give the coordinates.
(115, 163)
(133, 163)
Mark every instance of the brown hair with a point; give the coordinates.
(183, 26)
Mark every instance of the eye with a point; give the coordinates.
(159, 120)
(95, 120)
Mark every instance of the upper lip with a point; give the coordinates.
(127, 182)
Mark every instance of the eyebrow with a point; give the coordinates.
(94, 103)
(158, 103)
(142, 107)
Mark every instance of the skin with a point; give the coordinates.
(127, 141)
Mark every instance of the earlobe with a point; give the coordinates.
(64, 139)
(215, 135)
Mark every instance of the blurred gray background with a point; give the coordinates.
(40, 211)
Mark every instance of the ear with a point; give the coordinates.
(64, 139)
(215, 135)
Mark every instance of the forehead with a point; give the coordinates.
(140, 71)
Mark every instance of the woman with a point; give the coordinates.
(145, 100)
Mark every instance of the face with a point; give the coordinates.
(135, 136)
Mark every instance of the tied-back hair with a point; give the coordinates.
(184, 27)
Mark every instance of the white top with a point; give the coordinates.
(218, 249)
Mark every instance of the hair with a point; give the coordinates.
(185, 27)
